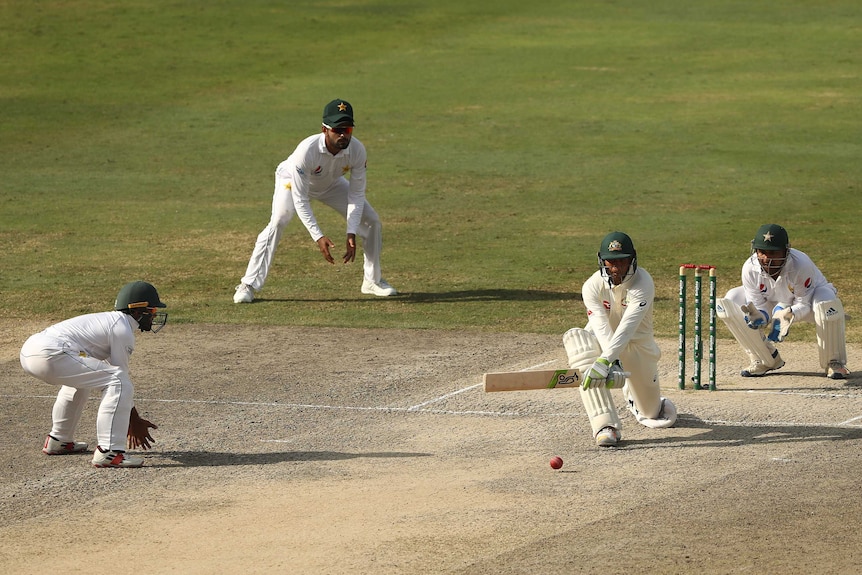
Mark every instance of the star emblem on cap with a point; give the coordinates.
(342, 106)
(767, 237)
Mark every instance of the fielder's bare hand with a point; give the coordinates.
(325, 244)
(350, 254)
(139, 432)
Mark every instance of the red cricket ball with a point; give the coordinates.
(556, 462)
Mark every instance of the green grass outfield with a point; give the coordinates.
(138, 141)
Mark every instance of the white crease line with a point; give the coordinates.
(462, 390)
(850, 421)
(844, 424)
(336, 407)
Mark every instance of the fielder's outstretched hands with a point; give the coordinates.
(324, 244)
(139, 432)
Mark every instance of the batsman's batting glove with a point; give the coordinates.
(597, 374)
(755, 318)
(782, 317)
(616, 376)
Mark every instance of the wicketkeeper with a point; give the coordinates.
(618, 347)
(780, 286)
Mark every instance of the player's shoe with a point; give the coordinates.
(115, 459)
(55, 447)
(380, 289)
(837, 370)
(758, 368)
(244, 294)
(607, 437)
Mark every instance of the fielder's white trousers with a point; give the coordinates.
(370, 231)
(53, 361)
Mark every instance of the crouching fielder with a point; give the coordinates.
(618, 346)
(780, 286)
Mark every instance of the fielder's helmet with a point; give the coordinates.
(770, 237)
(136, 295)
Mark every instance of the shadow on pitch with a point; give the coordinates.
(722, 435)
(220, 459)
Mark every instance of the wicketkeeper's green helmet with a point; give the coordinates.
(770, 237)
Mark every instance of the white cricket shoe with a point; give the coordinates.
(56, 447)
(607, 437)
(115, 459)
(381, 288)
(837, 370)
(758, 368)
(244, 294)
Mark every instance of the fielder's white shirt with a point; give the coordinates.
(312, 170)
(107, 336)
(621, 315)
(795, 285)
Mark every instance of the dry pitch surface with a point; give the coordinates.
(284, 450)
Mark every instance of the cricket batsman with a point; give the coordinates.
(618, 340)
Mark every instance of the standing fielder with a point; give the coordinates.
(316, 170)
(90, 352)
(618, 343)
(781, 285)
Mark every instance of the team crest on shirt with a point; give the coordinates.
(299, 170)
(762, 288)
(345, 169)
(807, 282)
(317, 171)
(606, 304)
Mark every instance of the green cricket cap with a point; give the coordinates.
(338, 113)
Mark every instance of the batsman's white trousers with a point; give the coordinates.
(53, 361)
(370, 231)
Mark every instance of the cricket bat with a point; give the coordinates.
(536, 379)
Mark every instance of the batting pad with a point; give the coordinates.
(829, 319)
(600, 408)
(751, 340)
(582, 348)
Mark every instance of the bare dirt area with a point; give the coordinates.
(295, 450)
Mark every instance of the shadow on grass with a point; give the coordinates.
(492, 295)
(220, 459)
(722, 435)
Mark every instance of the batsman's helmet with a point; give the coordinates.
(617, 245)
(770, 237)
(137, 295)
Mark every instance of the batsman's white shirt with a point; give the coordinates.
(621, 319)
(797, 284)
(312, 171)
